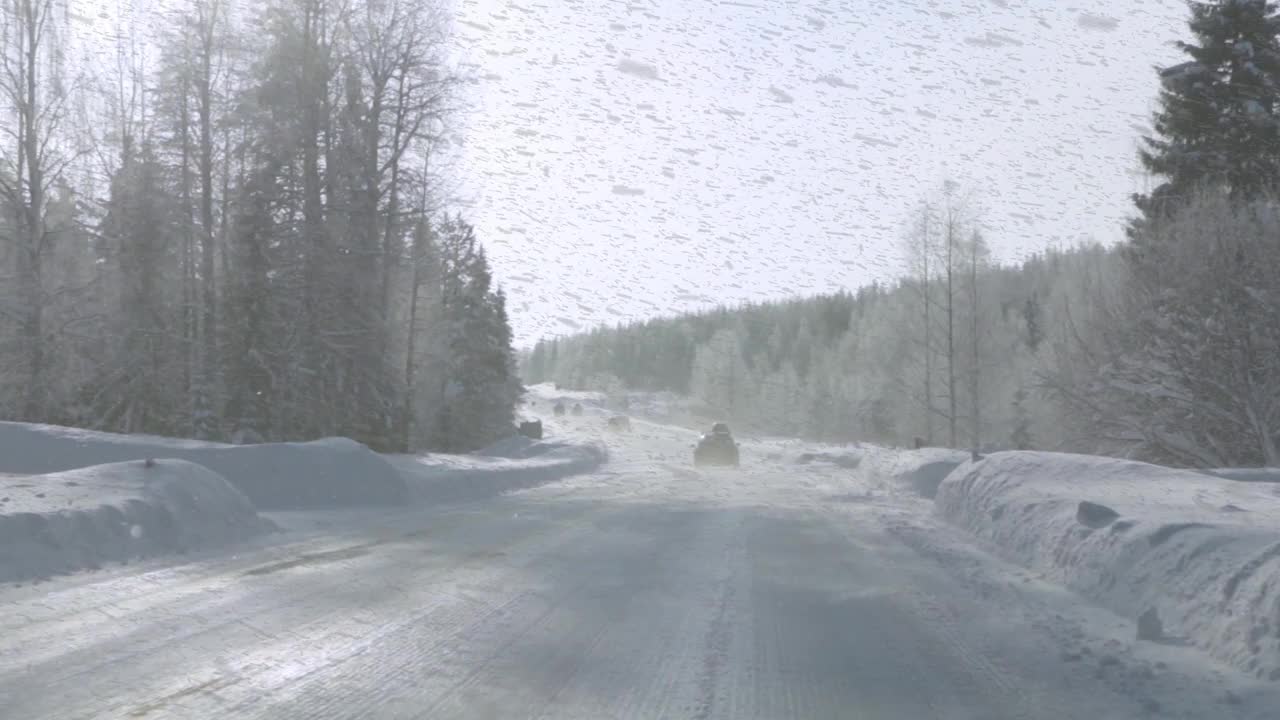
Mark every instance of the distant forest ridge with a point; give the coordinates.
(852, 366)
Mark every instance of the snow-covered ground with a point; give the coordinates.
(65, 521)
(1203, 552)
(820, 573)
(647, 588)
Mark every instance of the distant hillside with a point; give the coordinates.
(862, 365)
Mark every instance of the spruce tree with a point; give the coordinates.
(481, 384)
(1020, 437)
(1219, 116)
(1033, 318)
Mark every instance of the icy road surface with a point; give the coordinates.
(648, 590)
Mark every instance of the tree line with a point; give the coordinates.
(1164, 348)
(864, 365)
(233, 230)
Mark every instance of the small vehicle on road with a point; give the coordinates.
(716, 447)
(620, 423)
(577, 409)
(558, 409)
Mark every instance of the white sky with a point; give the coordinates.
(627, 159)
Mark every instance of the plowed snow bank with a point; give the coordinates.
(450, 478)
(333, 472)
(916, 471)
(61, 522)
(1260, 475)
(1203, 551)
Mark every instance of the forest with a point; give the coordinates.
(1165, 347)
(229, 227)
(862, 365)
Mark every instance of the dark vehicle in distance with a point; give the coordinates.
(716, 447)
(531, 429)
(620, 423)
(559, 409)
(577, 409)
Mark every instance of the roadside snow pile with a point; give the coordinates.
(518, 446)
(333, 472)
(1260, 475)
(451, 478)
(918, 471)
(66, 521)
(548, 391)
(848, 459)
(1203, 552)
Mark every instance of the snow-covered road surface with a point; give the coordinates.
(646, 590)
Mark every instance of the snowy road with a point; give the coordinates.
(649, 590)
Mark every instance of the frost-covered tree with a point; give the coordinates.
(719, 374)
(921, 253)
(1219, 117)
(863, 353)
(1181, 365)
(976, 257)
(236, 242)
(36, 101)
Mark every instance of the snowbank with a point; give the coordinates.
(332, 472)
(547, 391)
(1204, 552)
(65, 521)
(451, 478)
(518, 446)
(916, 471)
(849, 459)
(1262, 475)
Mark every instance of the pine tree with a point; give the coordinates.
(138, 391)
(1021, 435)
(479, 387)
(1219, 116)
(1033, 318)
(250, 304)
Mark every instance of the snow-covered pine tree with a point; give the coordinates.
(1219, 115)
(478, 389)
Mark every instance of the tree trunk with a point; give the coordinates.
(208, 353)
(411, 363)
(32, 22)
(975, 375)
(925, 251)
(951, 329)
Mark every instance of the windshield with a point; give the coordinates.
(695, 359)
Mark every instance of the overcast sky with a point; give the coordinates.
(627, 159)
